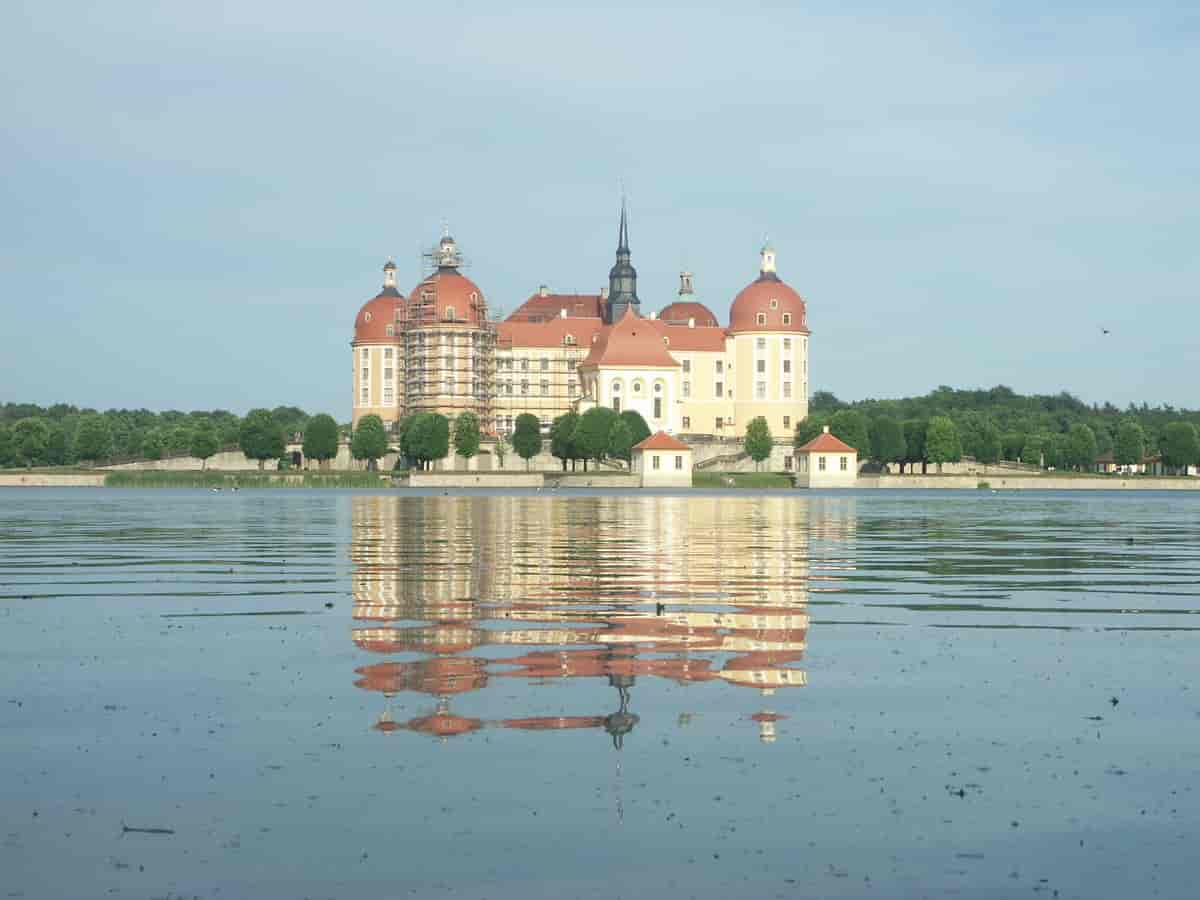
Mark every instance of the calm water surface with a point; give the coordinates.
(328, 694)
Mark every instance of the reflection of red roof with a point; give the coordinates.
(444, 724)
(826, 443)
(679, 312)
(554, 723)
(542, 307)
(551, 333)
(632, 341)
(661, 441)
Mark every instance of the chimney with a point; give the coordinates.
(603, 293)
(562, 313)
(825, 429)
(691, 322)
(653, 315)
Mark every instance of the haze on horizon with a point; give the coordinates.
(198, 198)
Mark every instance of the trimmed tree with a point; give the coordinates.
(29, 438)
(620, 441)
(93, 439)
(1130, 446)
(851, 426)
(320, 439)
(502, 449)
(1080, 447)
(591, 437)
(638, 429)
(941, 441)
(1180, 446)
(370, 441)
(887, 440)
(204, 442)
(527, 437)
(466, 435)
(562, 436)
(758, 441)
(260, 437)
(914, 444)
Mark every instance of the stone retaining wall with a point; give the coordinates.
(470, 479)
(34, 479)
(1029, 483)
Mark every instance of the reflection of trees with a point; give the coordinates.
(613, 588)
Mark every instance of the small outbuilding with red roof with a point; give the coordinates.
(826, 462)
(662, 461)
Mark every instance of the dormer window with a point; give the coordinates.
(449, 314)
(787, 318)
(391, 330)
(774, 303)
(761, 319)
(666, 341)
(366, 317)
(569, 340)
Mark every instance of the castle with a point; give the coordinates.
(438, 350)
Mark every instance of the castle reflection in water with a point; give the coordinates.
(469, 592)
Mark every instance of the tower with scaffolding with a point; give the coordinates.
(448, 342)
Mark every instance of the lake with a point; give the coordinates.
(343, 694)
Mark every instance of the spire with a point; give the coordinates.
(766, 268)
(623, 233)
(389, 278)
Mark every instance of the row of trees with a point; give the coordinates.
(940, 439)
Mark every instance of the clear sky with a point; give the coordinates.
(197, 197)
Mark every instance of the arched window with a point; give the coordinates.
(761, 319)
(637, 387)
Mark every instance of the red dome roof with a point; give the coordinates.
(370, 325)
(771, 298)
(679, 312)
(446, 296)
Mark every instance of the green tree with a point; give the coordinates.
(1130, 446)
(1180, 446)
(988, 445)
(562, 438)
(466, 435)
(204, 442)
(320, 439)
(1011, 443)
(887, 440)
(620, 441)
(914, 443)
(153, 445)
(1032, 449)
(591, 437)
(30, 436)
(93, 439)
(758, 442)
(807, 429)
(260, 437)
(369, 441)
(527, 437)
(1053, 450)
(638, 429)
(1080, 447)
(59, 449)
(179, 440)
(941, 441)
(8, 451)
(851, 426)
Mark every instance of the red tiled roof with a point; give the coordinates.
(633, 341)
(446, 289)
(550, 333)
(542, 307)
(684, 338)
(756, 298)
(370, 325)
(826, 443)
(661, 441)
(679, 312)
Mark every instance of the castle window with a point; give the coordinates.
(687, 421)
(787, 463)
(387, 374)
(366, 373)
(774, 303)
(524, 388)
(365, 354)
(787, 390)
(718, 389)
(545, 388)
(787, 367)
(569, 340)
(658, 387)
(761, 366)
(686, 390)
(658, 407)
(390, 330)
(449, 314)
(787, 421)
(364, 396)
(787, 318)
(719, 366)
(387, 353)
(720, 423)
(366, 317)
(524, 365)
(761, 344)
(545, 364)
(616, 404)
(678, 463)
(687, 365)
(761, 319)
(787, 342)
(760, 390)
(387, 395)
(637, 387)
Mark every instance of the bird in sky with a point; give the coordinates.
(1104, 331)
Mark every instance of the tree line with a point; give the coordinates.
(1051, 431)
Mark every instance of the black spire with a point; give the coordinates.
(622, 277)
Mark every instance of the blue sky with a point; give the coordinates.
(198, 197)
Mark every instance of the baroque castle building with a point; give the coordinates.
(439, 350)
